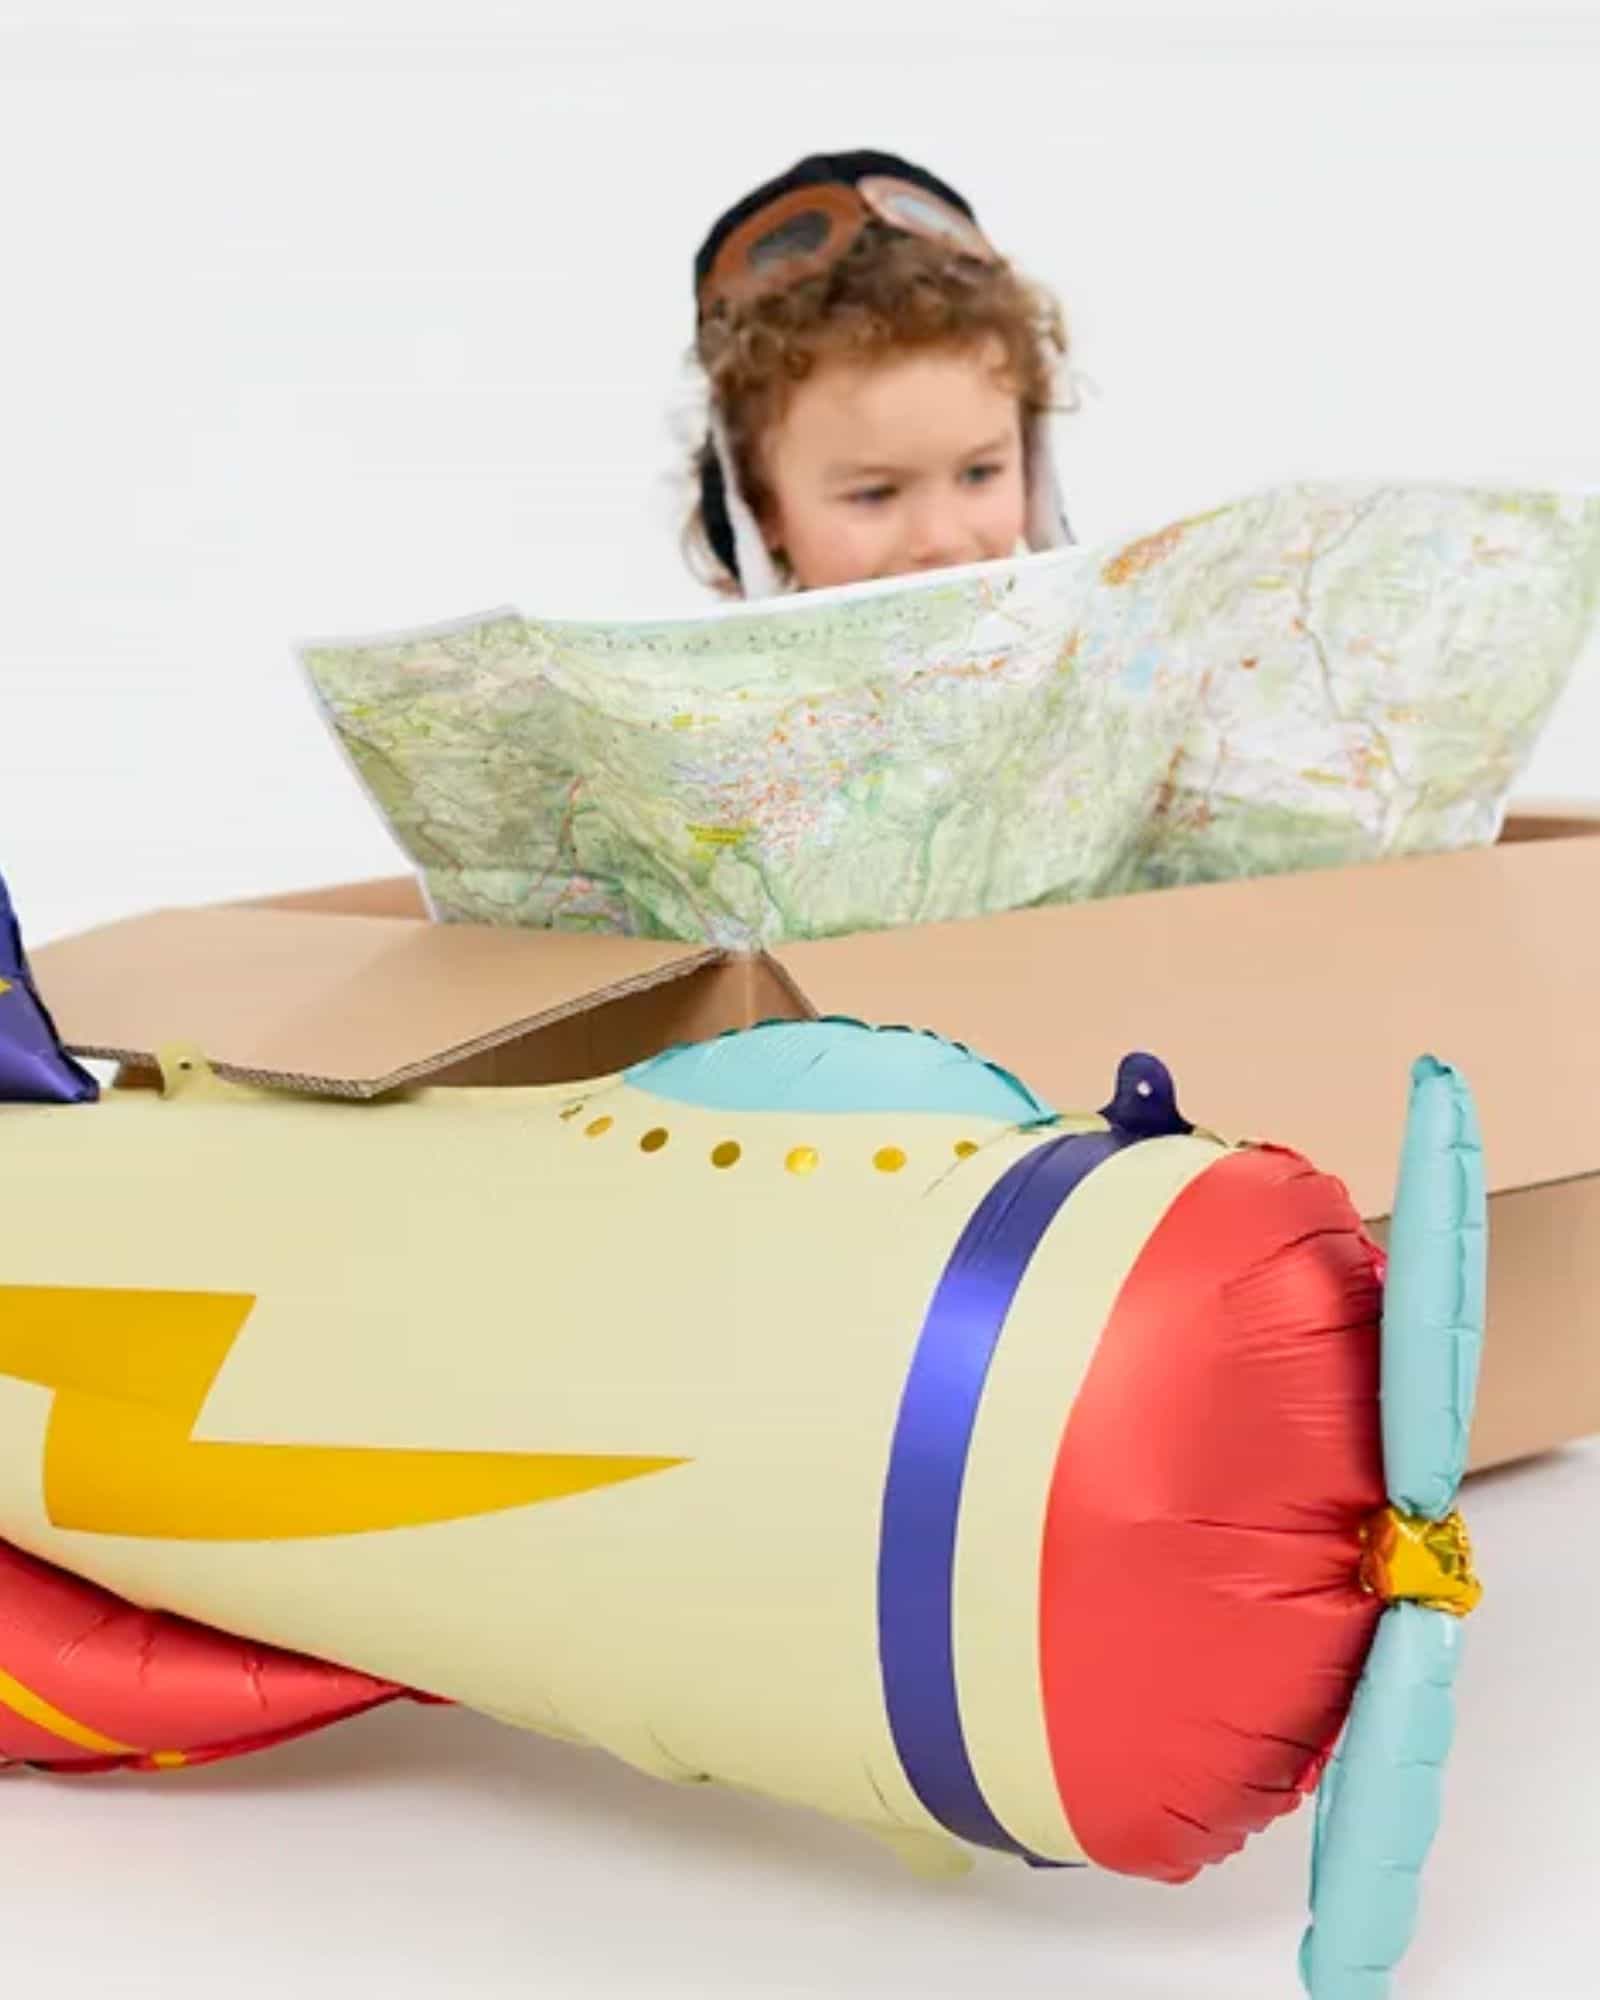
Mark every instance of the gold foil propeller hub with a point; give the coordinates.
(1408, 1559)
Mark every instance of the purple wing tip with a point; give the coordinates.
(34, 1067)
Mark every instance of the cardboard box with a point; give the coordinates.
(1288, 1008)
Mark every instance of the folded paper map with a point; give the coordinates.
(1314, 675)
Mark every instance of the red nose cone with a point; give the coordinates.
(1203, 1624)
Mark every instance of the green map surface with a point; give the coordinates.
(1313, 675)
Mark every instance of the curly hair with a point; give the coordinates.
(890, 294)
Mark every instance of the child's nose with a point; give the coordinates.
(939, 531)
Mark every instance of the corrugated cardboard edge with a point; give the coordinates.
(398, 898)
(363, 1089)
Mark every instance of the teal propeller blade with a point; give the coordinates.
(1379, 1803)
(1434, 1295)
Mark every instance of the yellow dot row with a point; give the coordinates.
(800, 1160)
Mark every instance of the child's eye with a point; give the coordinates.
(870, 496)
(980, 475)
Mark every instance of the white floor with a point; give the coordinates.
(425, 1852)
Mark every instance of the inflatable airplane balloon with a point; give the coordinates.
(813, 1411)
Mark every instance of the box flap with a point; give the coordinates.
(1288, 1008)
(344, 1005)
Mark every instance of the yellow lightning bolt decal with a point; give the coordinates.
(131, 1371)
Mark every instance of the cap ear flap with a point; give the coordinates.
(714, 510)
(751, 561)
(1047, 526)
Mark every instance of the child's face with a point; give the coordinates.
(898, 466)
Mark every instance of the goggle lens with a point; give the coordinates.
(800, 235)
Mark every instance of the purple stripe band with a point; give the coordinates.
(927, 1470)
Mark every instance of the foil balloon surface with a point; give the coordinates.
(814, 1410)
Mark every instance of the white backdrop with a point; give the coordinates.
(333, 317)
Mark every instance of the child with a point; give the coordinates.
(880, 381)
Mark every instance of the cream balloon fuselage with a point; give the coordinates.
(572, 1405)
